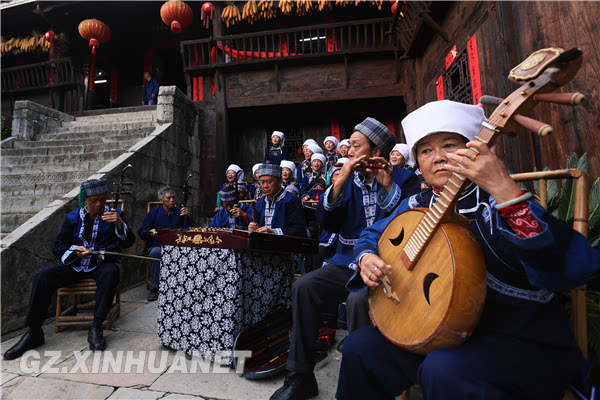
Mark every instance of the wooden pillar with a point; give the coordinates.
(222, 118)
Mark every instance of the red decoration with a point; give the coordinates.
(95, 31)
(177, 15)
(207, 13)
(394, 6)
(50, 37)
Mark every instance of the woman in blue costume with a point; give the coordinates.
(522, 347)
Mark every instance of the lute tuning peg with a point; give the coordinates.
(535, 126)
(569, 99)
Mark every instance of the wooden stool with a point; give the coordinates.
(69, 317)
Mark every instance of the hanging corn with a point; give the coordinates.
(250, 11)
(286, 6)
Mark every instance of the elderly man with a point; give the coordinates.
(93, 226)
(349, 206)
(162, 217)
(151, 86)
(278, 211)
(232, 216)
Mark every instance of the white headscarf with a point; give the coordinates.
(315, 148)
(318, 157)
(334, 140)
(255, 168)
(441, 116)
(402, 148)
(345, 142)
(342, 160)
(290, 165)
(236, 169)
(281, 136)
(310, 141)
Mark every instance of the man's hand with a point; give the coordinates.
(264, 229)
(184, 211)
(82, 252)
(253, 227)
(372, 269)
(113, 217)
(237, 212)
(384, 176)
(153, 232)
(346, 173)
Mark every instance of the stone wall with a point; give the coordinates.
(31, 120)
(164, 158)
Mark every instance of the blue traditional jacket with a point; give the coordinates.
(327, 239)
(158, 218)
(303, 169)
(274, 155)
(104, 236)
(523, 273)
(359, 206)
(225, 220)
(332, 158)
(150, 88)
(313, 185)
(284, 214)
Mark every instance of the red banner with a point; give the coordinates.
(389, 122)
(335, 128)
(451, 56)
(439, 86)
(474, 69)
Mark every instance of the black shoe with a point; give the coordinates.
(31, 340)
(297, 387)
(96, 338)
(340, 345)
(153, 296)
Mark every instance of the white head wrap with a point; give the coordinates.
(290, 165)
(310, 141)
(281, 136)
(342, 160)
(318, 157)
(334, 140)
(255, 168)
(315, 148)
(441, 116)
(345, 142)
(236, 169)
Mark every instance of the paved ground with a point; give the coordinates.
(165, 377)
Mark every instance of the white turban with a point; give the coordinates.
(342, 160)
(402, 148)
(441, 116)
(288, 164)
(239, 172)
(315, 148)
(334, 140)
(281, 136)
(318, 157)
(345, 142)
(310, 141)
(255, 168)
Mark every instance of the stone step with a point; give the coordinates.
(26, 144)
(117, 117)
(95, 134)
(104, 156)
(70, 127)
(79, 149)
(8, 170)
(11, 221)
(39, 189)
(73, 176)
(27, 204)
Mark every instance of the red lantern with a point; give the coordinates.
(50, 37)
(95, 31)
(208, 11)
(394, 6)
(177, 15)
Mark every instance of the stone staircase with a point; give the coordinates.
(35, 173)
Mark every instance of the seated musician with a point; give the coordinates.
(314, 185)
(288, 173)
(522, 347)
(344, 147)
(92, 227)
(277, 152)
(233, 215)
(279, 211)
(332, 145)
(232, 172)
(347, 208)
(166, 216)
(327, 240)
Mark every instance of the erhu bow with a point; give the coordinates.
(434, 244)
(186, 191)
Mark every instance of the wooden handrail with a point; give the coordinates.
(580, 224)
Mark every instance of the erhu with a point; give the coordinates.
(186, 192)
(436, 292)
(117, 194)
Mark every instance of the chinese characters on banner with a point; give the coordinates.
(439, 85)
(474, 69)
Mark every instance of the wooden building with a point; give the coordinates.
(320, 73)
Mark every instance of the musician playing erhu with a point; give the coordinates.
(93, 226)
(278, 211)
(166, 216)
(347, 208)
(522, 346)
(233, 215)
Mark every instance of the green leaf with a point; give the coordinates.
(594, 205)
(582, 164)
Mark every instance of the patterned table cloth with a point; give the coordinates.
(207, 296)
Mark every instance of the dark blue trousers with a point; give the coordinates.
(50, 279)
(155, 252)
(488, 366)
